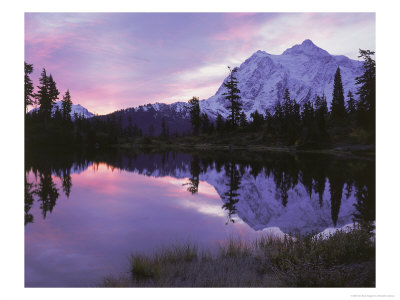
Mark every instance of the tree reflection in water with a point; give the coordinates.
(345, 177)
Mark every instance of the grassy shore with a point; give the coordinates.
(344, 259)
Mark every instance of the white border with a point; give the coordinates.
(12, 231)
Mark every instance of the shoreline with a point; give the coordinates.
(345, 258)
(366, 152)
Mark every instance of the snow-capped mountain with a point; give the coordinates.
(75, 109)
(305, 69)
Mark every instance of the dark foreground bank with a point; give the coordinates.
(344, 259)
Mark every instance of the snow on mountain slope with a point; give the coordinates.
(76, 108)
(305, 69)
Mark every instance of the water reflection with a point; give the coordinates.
(292, 192)
(230, 197)
(193, 184)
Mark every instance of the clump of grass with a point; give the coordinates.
(341, 259)
(235, 249)
(143, 267)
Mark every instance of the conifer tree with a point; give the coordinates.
(243, 120)
(257, 120)
(28, 86)
(338, 109)
(66, 105)
(278, 111)
(367, 89)
(43, 97)
(53, 91)
(351, 103)
(287, 106)
(194, 110)
(307, 115)
(268, 119)
(232, 95)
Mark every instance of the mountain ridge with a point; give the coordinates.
(75, 108)
(305, 69)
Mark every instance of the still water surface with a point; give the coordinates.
(85, 213)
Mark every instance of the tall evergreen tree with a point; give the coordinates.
(232, 95)
(29, 100)
(53, 91)
(66, 105)
(338, 109)
(43, 97)
(367, 89)
(194, 110)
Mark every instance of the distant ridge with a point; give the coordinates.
(76, 108)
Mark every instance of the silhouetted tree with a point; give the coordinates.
(231, 195)
(66, 105)
(290, 117)
(43, 96)
(243, 120)
(47, 193)
(232, 95)
(29, 100)
(367, 90)
(194, 110)
(195, 172)
(257, 120)
(67, 183)
(29, 192)
(336, 184)
(53, 91)
(351, 103)
(307, 114)
(338, 110)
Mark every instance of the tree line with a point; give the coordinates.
(312, 124)
(289, 122)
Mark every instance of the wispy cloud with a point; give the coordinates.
(111, 61)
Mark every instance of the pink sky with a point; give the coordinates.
(111, 61)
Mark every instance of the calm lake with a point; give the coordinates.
(86, 212)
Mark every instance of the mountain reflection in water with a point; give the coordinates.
(297, 193)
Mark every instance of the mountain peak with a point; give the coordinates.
(307, 47)
(308, 42)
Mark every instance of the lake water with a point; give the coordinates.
(86, 212)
